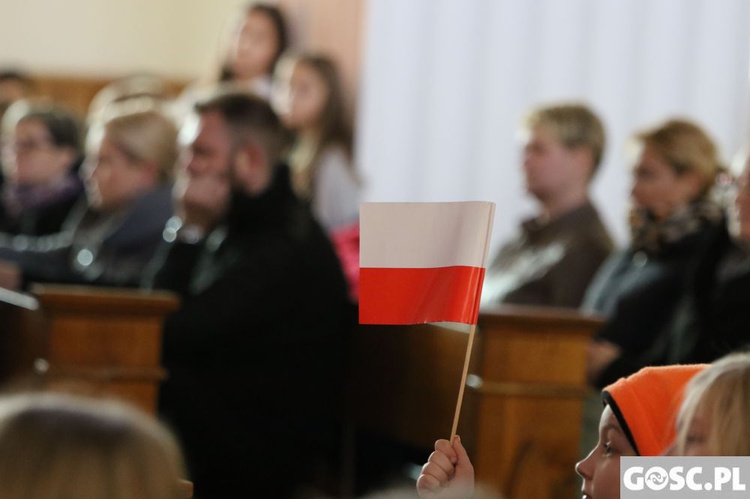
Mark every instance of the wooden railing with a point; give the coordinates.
(100, 342)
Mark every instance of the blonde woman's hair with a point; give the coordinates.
(575, 125)
(143, 132)
(721, 396)
(686, 147)
(63, 447)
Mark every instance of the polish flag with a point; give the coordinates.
(423, 262)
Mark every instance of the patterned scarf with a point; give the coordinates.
(657, 236)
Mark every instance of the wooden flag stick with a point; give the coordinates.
(463, 381)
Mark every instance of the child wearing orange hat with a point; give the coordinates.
(638, 419)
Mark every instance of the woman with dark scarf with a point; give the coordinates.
(672, 219)
(41, 156)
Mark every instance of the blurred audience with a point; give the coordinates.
(108, 239)
(62, 447)
(255, 352)
(311, 104)
(557, 252)
(42, 154)
(673, 215)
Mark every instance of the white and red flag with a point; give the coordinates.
(423, 262)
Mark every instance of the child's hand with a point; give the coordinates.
(448, 472)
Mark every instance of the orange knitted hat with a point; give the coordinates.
(646, 405)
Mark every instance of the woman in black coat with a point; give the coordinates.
(673, 216)
(714, 318)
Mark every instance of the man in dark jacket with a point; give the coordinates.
(254, 352)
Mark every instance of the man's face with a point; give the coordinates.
(203, 182)
(548, 165)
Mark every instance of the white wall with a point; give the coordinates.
(176, 38)
(446, 81)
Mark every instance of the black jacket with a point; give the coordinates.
(639, 293)
(255, 352)
(714, 318)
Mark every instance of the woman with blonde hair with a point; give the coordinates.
(55, 446)
(128, 179)
(673, 217)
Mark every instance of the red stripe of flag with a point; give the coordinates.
(419, 295)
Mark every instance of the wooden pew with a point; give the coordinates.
(95, 341)
(524, 399)
(529, 388)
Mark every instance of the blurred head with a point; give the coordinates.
(713, 420)
(314, 97)
(60, 447)
(140, 86)
(738, 219)
(128, 155)
(675, 164)
(256, 43)
(563, 146)
(14, 86)
(239, 136)
(638, 419)
(41, 143)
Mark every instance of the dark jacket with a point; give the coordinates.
(714, 318)
(639, 292)
(549, 264)
(109, 249)
(40, 212)
(254, 353)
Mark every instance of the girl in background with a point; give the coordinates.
(311, 104)
(255, 46)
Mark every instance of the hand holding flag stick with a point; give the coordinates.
(424, 262)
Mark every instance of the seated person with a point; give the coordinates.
(638, 420)
(712, 319)
(673, 216)
(56, 446)
(254, 42)
(556, 253)
(42, 154)
(255, 351)
(321, 158)
(109, 239)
